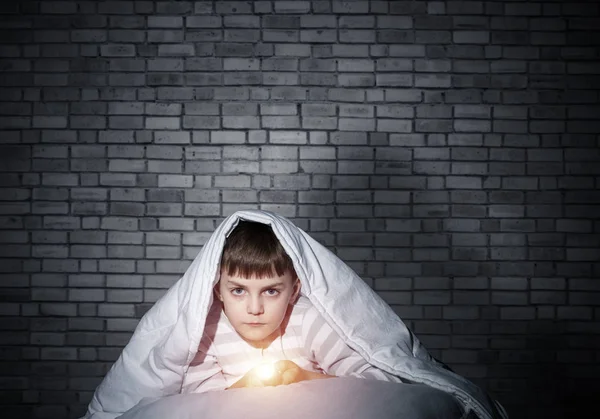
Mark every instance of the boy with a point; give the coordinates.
(259, 316)
(238, 307)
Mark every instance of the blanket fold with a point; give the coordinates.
(166, 340)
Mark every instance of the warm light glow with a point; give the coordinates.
(265, 371)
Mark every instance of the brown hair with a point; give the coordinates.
(252, 249)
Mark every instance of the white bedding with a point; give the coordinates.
(155, 360)
(337, 398)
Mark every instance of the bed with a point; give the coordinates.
(335, 398)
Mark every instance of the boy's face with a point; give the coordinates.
(256, 306)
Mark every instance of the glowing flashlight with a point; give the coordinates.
(265, 371)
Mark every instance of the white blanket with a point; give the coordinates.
(336, 398)
(166, 340)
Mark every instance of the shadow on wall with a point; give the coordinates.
(537, 380)
(437, 276)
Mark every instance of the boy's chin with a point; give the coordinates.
(255, 337)
(258, 338)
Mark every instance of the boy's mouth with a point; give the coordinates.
(255, 324)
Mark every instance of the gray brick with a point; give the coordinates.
(117, 50)
(523, 9)
(279, 167)
(175, 50)
(165, 22)
(350, 50)
(314, 21)
(203, 7)
(350, 7)
(280, 122)
(574, 313)
(279, 78)
(204, 21)
(201, 108)
(432, 297)
(287, 137)
(357, 36)
(197, 122)
(280, 64)
(357, 21)
(407, 7)
(279, 109)
(233, 7)
(463, 182)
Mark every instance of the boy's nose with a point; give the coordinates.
(255, 306)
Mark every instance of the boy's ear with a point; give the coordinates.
(296, 293)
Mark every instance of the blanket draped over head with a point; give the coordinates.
(166, 340)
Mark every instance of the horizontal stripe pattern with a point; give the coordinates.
(309, 341)
(332, 354)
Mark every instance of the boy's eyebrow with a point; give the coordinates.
(243, 286)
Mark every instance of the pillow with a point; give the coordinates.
(334, 398)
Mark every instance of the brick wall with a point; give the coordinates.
(447, 150)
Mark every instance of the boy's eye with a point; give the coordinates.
(237, 291)
(272, 292)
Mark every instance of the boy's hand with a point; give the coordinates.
(289, 372)
(286, 372)
(250, 379)
(292, 373)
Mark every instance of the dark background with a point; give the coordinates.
(447, 150)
